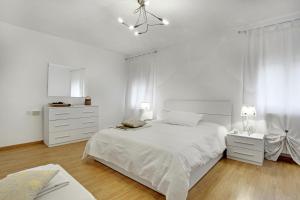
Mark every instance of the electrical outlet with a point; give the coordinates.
(34, 112)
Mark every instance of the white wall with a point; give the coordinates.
(24, 57)
(207, 68)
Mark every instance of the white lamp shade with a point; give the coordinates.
(145, 106)
(248, 111)
(147, 115)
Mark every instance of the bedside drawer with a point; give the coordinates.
(245, 154)
(243, 142)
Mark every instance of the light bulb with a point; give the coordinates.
(147, 3)
(131, 27)
(120, 20)
(165, 22)
(136, 33)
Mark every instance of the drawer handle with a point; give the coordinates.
(88, 111)
(61, 125)
(87, 133)
(246, 154)
(244, 143)
(62, 113)
(88, 122)
(62, 137)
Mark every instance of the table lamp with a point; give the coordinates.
(147, 113)
(248, 112)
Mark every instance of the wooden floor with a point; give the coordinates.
(227, 180)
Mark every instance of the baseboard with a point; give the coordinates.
(20, 145)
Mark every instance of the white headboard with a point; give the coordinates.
(214, 110)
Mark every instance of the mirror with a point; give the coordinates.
(64, 81)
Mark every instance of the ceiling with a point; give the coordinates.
(95, 21)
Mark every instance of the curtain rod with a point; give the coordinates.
(144, 54)
(268, 25)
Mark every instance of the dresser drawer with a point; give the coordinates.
(61, 137)
(62, 113)
(88, 122)
(71, 135)
(62, 125)
(245, 154)
(72, 113)
(70, 124)
(85, 133)
(249, 143)
(88, 112)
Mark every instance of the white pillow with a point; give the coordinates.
(181, 118)
(133, 123)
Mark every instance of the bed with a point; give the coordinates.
(169, 159)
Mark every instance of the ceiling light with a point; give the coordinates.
(144, 20)
(147, 3)
(121, 21)
(131, 27)
(165, 22)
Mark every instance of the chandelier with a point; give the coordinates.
(142, 23)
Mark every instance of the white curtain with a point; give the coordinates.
(141, 85)
(272, 84)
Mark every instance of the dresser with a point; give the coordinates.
(64, 125)
(246, 148)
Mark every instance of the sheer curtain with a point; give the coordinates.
(272, 84)
(141, 85)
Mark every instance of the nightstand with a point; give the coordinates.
(246, 148)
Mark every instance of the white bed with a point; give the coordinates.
(169, 159)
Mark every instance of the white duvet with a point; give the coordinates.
(163, 154)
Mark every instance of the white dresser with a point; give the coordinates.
(246, 148)
(69, 124)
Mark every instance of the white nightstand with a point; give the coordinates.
(246, 148)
